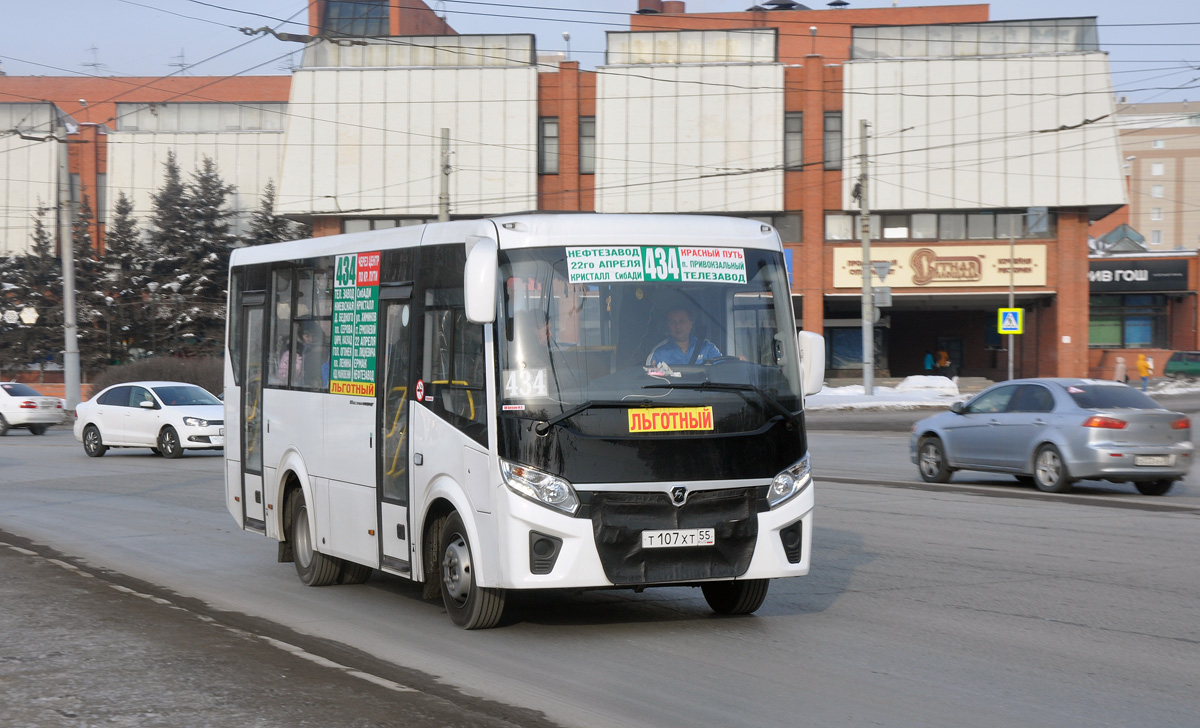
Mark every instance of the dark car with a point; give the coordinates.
(1052, 432)
(1183, 364)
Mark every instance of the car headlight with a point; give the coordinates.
(540, 487)
(195, 422)
(790, 483)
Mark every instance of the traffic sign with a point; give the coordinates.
(1011, 321)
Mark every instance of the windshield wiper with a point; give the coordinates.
(739, 388)
(542, 428)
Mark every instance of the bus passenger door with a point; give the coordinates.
(251, 405)
(395, 357)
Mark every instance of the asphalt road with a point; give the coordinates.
(981, 605)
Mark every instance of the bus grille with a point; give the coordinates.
(618, 520)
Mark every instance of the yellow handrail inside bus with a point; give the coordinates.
(392, 467)
(461, 383)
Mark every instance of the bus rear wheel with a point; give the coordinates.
(735, 597)
(469, 605)
(313, 567)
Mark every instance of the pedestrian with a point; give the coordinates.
(928, 363)
(1119, 372)
(943, 362)
(1145, 370)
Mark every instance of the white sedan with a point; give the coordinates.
(23, 406)
(167, 417)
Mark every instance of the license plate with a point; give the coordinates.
(217, 440)
(1154, 460)
(677, 538)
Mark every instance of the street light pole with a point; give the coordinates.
(1012, 265)
(868, 303)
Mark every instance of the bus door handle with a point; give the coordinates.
(418, 459)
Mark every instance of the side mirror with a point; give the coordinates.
(812, 361)
(958, 408)
(479, 280)
(146, 404)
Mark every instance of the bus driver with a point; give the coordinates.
(680, 347)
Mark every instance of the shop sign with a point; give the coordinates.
(1107, 276)
(945, 266)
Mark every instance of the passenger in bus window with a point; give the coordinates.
(680, 346)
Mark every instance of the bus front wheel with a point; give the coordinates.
(735, 597)
(313, 567)
(469, 605)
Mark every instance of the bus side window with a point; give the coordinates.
(279, 353)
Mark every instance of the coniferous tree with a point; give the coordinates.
(200, 318)
(33, 280)
(170, 232)
(91, 297)
(267, 227)
(126, 279)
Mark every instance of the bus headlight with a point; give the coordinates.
(541, 487)
(195, 422)
(790, 483)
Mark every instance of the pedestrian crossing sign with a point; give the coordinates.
(1012, 321)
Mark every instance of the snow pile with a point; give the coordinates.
(1170, 386)
(913, 393)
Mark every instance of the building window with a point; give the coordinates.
(895, 227)
(548, 145)
(1159, 144)
(1156, 213)
(793, 140)
(924, 226)
(981, 226)
(953, 226)
(788, 226)
(1156, 190)
(1156, 237)
(356, 18)
(1157, 169)
(363, 224)
(833, 140)
(587, 145)
(1128, 322)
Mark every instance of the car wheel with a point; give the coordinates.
(1049, 471)
(1155, 487)
(3, 426)
(931, 461)
(313, 567)
(38, 429)
(469, 605)
(1026, 480)
(93, 444)
(735, 597)
(168, 443)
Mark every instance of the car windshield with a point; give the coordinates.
(184, 396)
(584, 326)
(1109, 396)
(16, 389)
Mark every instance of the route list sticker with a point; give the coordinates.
(661, 263)
(355, 324)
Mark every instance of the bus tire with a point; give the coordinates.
(313, 567)
(735, 597)
(352, 573)
(468, 605)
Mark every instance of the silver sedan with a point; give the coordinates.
(1052, 432)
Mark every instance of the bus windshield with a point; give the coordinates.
(583, 328)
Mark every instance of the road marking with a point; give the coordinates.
(278, 644)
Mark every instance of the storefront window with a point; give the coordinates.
(981, 226)
(924, 226)
(953, 227)
(1128, 322)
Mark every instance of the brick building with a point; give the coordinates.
(981, 137)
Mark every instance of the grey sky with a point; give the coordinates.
(1157, 61)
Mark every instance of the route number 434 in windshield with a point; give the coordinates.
(661, 264)
(524, 383)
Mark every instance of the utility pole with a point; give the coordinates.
(444, 194)
(71, 379)
(1012, 264)
(868, 302)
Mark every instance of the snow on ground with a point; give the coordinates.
(912, 393)
(932, 392)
